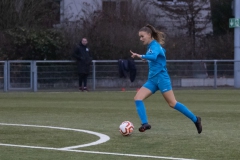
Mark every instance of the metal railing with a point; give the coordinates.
(3, 75)
(35, 75)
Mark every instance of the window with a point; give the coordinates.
(56, 7)
(109, 7)
(116, 7)
(124, 8)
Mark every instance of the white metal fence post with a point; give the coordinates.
(34, 76)
(215, 73)
(5, 81)
(8, 75)
(94, 75)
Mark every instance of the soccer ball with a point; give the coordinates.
(126, 128)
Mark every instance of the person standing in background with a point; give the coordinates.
(82, 55)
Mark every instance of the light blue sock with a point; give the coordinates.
(141, 111)
(184, 110)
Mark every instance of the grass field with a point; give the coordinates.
(172, 136)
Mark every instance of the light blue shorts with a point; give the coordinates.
(161, 82)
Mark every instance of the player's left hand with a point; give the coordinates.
(135, 54)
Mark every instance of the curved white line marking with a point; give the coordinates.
(96, 152)
(103, 137)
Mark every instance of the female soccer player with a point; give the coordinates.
(158, 78)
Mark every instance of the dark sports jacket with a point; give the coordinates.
(82, 55)
(127, 69)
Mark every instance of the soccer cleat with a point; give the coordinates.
(144, 127)
(85, 89)
(80, 89)
(198, 125)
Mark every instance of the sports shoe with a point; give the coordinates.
(198, 125)
(80, 89)
(144, 127)
(85, 89)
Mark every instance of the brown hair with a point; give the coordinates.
(157, 35)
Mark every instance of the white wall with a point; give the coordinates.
(171, 25)
(72, 10)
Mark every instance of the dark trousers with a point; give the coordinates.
(82, 79)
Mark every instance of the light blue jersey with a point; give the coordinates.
(158, 78)
(156, 58)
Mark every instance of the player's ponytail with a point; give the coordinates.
(157, 35)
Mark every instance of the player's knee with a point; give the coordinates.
(137, 98)
(172, 104)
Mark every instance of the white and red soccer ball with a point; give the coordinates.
(126, 128)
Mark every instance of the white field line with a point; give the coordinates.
(103, 138)
(94, 152)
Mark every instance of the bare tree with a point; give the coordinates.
(189, 17)
(111, 34)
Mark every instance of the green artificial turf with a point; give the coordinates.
(172, 134)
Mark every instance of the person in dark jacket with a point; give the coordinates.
(82, 55)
